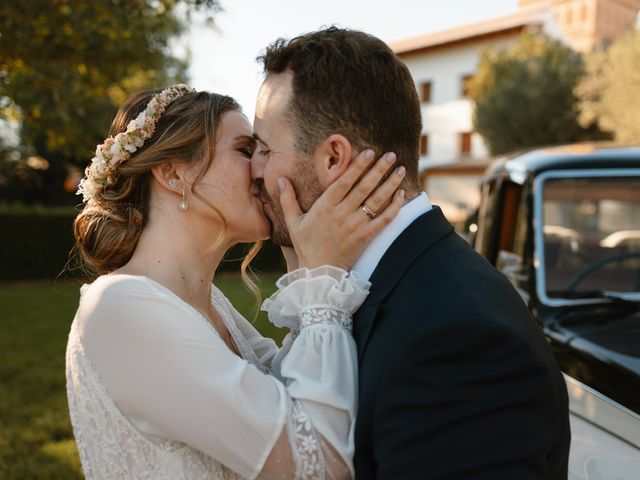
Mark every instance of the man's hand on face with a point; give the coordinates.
(347, 216)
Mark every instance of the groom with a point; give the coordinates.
(456, 379)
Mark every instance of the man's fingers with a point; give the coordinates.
(340, 188)
(288, 201)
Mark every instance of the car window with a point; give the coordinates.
(487, 218)
(591, 235)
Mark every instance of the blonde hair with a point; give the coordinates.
(108, 228)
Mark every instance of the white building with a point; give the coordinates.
(442, 63)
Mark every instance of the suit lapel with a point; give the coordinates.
(362, 325)
(424, 232)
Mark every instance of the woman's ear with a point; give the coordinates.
(169, 176)
(334, 154)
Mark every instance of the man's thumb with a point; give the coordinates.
(288, 201)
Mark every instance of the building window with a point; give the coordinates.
(569, 16)
(426, 92)
(424, 145)
(465, 81)
(465, 144)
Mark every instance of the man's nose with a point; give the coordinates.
(257, 167)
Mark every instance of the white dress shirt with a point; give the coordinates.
(368, 261)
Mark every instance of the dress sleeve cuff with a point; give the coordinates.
(325, 287)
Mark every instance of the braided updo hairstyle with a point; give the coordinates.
(108, 228)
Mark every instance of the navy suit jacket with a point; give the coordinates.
(456, 379)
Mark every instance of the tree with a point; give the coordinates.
(610, 92)
(65, 66)
(524, 94)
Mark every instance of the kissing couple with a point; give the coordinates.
(408, 356)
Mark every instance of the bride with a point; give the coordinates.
(165, 379)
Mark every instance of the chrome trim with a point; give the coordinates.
(538, 227)
(603, 412)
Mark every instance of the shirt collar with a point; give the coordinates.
(368, 261)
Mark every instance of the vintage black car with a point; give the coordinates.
(563, 224)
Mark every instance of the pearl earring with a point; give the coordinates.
(172, 184)
(183, 206)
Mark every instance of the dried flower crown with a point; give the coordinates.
(102, 172)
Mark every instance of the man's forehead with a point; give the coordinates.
(273, 96)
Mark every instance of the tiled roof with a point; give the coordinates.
(533, 16)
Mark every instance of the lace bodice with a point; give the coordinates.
(110, 446)
(122, 436)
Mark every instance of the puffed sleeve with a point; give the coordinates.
(318, 361)
(171, 374)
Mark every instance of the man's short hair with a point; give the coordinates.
(351, 83)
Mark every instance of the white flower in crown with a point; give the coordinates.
(100, 166)
(102, 171)
(137, 124)
(115, 151)
(88, 187)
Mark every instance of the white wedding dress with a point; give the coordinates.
(155, 393)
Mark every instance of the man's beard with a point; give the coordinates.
(307, 188)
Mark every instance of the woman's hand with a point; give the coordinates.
(347, 216)
(290, 257)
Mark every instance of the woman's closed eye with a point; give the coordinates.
(246, 151)
(246, 145)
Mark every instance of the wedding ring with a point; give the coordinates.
(368, 211)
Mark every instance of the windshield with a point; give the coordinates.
(591, 236)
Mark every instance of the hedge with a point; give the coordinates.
(35, 244)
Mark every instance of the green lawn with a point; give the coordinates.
(36, 440)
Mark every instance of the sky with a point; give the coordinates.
(223, 58)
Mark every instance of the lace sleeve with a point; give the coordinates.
(318, 367)
(301, 453)
(340, 293)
